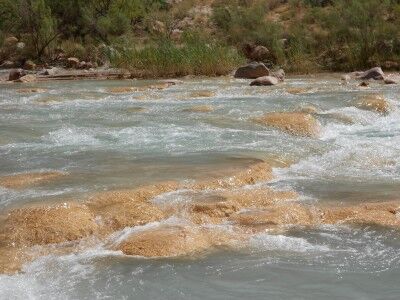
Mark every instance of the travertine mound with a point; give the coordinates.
(199, 109)
(375, 103)
(202, 94)
(130, 89)
(126, 208)
(49, 224)
(282, 214)
(298, 90)
(258, 198)
(213, 212)
(31, 90)
(381, 213)
(143, 193)
(258, 172)
(28, 179)
(176, 241)
(166, 241)
(11, 260)
(295, 123)
(118, 215)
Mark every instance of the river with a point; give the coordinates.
(106, 140)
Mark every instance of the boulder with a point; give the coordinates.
(252, 71)
(73, 62)
(29, 65)
(82, 65)
(265, 80)
(345, 77)
(255, 52)
(280, 74)
(374, 73)
(295, 123)
(26, 78)
(390, 81)
(10, 41)
(16, 74)
(48, 72)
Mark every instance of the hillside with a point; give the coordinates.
(208, 37)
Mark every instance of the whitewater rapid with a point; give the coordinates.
(109, 141)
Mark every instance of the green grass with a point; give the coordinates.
(166, 59)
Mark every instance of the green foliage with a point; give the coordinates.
(193, 57)
(301, 35)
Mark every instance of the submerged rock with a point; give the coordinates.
(129, 89)
(298, 90)
(199, 109)
(121, 90)
(309, 109)
(28, 179)
(282, 214)
(136, 109)
(31, 90)
(252, 71)
(265, 80)
(380, 213)
(292, 122)
(202, 94)
(258, 172)
(375, 103)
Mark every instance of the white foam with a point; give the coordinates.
(264, 241)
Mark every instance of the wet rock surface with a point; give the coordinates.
(295, 123)
(375, 103)
(29, 179)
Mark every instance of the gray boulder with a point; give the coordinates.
(280, 74)
(374, 73)
(252, 71)
(16, 74)
(265, 80)
(26, 78)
